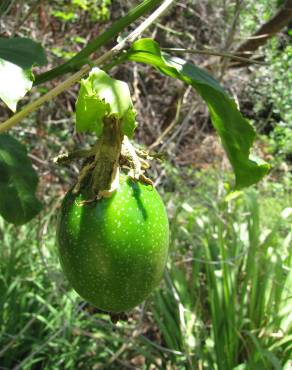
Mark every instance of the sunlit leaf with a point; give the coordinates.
(15, 83)
(101, 96)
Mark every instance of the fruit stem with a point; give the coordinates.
(105, 175)
(99, 177)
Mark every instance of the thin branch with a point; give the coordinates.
(232, 29)
(27, 16)
(230, 36)
(214, 53)
(269, 29)
(266, 31)
(170, 127)
(15, 119)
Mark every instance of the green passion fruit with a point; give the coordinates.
(114, 250)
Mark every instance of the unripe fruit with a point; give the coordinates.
(113, 251)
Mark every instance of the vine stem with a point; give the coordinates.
(65, 85)
(215, 53)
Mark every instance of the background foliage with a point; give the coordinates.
(225, 302)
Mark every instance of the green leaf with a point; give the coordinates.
(18, 182)
(22, 51)
(236, 133)
(15, 82)
(101, 96)
(90, 110)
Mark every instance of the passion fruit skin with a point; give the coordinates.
(113, 251)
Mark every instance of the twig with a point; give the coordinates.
(15, 119)
(26, 17)
(230, 36)
(171, 125)
(17, 17)
(178, 134)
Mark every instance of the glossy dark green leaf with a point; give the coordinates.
(22, 51)
(18, 182)
(236, 133)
